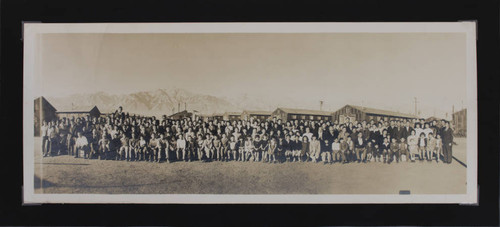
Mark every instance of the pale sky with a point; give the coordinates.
(377, 70)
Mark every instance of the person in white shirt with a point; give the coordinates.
(418, 129)
(426, 130)
(81, 144)
(308, 134)
(336, 150)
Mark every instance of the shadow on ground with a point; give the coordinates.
(71, 164)
(39, 183)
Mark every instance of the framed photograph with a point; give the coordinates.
(252, 113)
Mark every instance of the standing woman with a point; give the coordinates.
(413, 145)
(304, 149)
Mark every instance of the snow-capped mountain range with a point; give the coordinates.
(164, 101)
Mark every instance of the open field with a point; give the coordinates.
(65, 174)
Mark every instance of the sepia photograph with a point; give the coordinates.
(250, 113)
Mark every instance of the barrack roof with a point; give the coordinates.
(374, 111)
(305, 111)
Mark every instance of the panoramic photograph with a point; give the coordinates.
(257, 113)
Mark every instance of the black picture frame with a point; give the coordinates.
(14, 13)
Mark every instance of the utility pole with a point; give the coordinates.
(320, 105)
(178, 107)
(415, 101)
(185, 106)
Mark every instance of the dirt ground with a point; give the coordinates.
(65, 174)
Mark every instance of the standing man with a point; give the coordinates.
(447, 137)
(359, 146)
(45, 138)
(53, 140)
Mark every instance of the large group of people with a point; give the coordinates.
(121, 136)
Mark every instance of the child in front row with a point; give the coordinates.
(377, 153)
(431, 146)
(336, 155)
(403, 150)
(394, 152)
(344, 150)
(422, 144)
(232, 148)
(241, 149)
(369, 151)
(385, 149)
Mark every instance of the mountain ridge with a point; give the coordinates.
(155, 102)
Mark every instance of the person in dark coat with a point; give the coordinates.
(329, 135)
(398, 132)
(406, 131)
(447, 137)
(359, 146)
